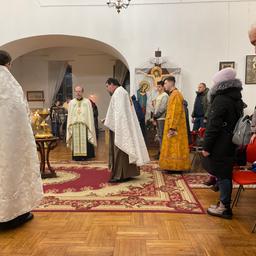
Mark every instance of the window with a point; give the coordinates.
(66, 87)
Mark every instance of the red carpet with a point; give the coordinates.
(80, 179)
(86, 188)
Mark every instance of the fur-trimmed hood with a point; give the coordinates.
(224, 87)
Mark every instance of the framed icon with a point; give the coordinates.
(226, 64)
(35, 95)
(250, 69)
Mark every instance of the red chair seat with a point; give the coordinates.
(244, 177)
(251, 152)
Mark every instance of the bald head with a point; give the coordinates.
(252, 35)
(79, 92)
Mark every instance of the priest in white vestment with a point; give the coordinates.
(81, 136)
(20, 179)
(127, 149)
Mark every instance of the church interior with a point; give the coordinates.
(57, 45)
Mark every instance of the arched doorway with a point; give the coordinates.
(92, 63)
(25, 45)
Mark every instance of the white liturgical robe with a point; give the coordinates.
(20, 179)
(80, 126)
(122, 120)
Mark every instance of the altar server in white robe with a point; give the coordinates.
(81, 136)
(20, 179)
(127, 149)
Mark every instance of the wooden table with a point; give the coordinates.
(44, 146)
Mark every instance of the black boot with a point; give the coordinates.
(18, 221)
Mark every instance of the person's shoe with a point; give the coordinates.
(210, 182)
(113, 180)
(18, 221)
(214, 206)
(126, 179)
(215, 188)
(220, 211)
(29, 217)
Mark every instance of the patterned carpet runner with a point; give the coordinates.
(86, 188)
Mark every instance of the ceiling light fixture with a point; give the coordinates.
(118, 4)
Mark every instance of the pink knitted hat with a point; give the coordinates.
(224, 75)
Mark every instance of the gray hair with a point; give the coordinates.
(79, 87)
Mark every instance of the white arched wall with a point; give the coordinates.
(23, 46)
(193, 35)
(92, 63)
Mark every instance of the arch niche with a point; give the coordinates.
(27, 46)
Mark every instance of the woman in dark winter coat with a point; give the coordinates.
(218, 149)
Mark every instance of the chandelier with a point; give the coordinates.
(118, 4)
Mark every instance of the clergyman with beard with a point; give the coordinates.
(127, 149)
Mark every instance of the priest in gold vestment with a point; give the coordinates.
(174, 154)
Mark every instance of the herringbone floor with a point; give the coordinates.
(130, 234)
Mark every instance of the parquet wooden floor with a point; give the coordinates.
(134, 234)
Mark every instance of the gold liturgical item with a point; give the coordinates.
(44, 131)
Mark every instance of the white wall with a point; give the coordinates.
(89, 69)
(32, 74)
(193, 36)
(92, 73)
